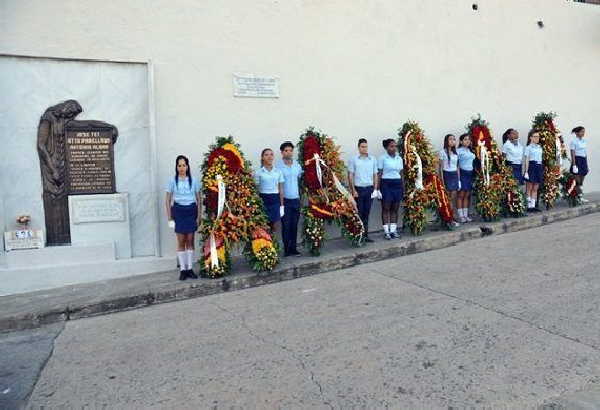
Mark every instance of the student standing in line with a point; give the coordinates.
(449, 171)
(579, 164)
(362, 174)
(390, 167)
(466, 157)
(291, 171)
(181, 203)
(533, 170)
(270, 187)
(513, 153)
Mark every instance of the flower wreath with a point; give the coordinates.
(328, 199)
(235, 212)
(496, 190)
(553, 152)
(569, 189)
(423, 188)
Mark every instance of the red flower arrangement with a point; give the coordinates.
(551, 140)
(432, 195)
(327, 198)
(243, 220)
(496, 190)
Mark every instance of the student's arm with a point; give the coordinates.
(375, 177)
(199, 202)
(168, 199)
(525, 161)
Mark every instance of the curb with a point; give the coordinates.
(171, 292)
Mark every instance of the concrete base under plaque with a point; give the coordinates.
(102, 217)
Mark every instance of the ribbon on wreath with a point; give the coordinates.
(222, 190)
(558, 150)
(485, 162)
(336, 182)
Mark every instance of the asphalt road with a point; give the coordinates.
(509, 320)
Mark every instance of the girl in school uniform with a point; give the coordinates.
(513, 153)
(449, 170)
(533, 170)
(579, 164)
(182, 202)
(269, 180)
(465, 166)
(389, 176)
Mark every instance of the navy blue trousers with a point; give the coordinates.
(363, 202)
(289, 224)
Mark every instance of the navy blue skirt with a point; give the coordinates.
(582, 166)
(451, 180)
(517, 171)
(535, 172)
(466, 180)
(185, 217)
(272, 204)
(392, 190)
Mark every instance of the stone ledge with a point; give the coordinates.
(35, 309)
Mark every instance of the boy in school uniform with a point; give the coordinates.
(362, 174)
(291, 198)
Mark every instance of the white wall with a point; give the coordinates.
(352, 68)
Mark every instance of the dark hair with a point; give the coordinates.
(506, 134)
(577, 129)
(187, 172)
(530, 134)
(447, 148)
(362, 141)
(285, 145)
(263, 153)
(387, 142)
(462, 137)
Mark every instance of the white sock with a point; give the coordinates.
(386, 228)
(393, 228)
(466, 212)
(460, 212)
(181, 257)
(190, 258)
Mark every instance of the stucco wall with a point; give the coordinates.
(352, 68)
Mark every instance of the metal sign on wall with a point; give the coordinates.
(249, 85)
(90, 159)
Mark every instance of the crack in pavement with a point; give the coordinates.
(491, 309)
(303, 365)
(43, 365)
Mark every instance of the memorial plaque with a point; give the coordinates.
(247, 85)
(90, 162)
(110, 208)
(23, 239)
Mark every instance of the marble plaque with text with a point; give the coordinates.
(97, 208)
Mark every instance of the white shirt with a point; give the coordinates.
(449, 165)
(579, 146)
(533, 152)
(513, 152)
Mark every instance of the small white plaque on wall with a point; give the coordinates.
(23, 239)
(97, 208)
(249, 85)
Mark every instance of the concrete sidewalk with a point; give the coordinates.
(31, 310)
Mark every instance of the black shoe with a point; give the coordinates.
(387, 236)
(295, 253)
(369, 240)
(530, 210)
(286, 254)
(190, 274)
(183, 275)
(395, 235)
(536, 210)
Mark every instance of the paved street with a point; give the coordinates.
(506, 320)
